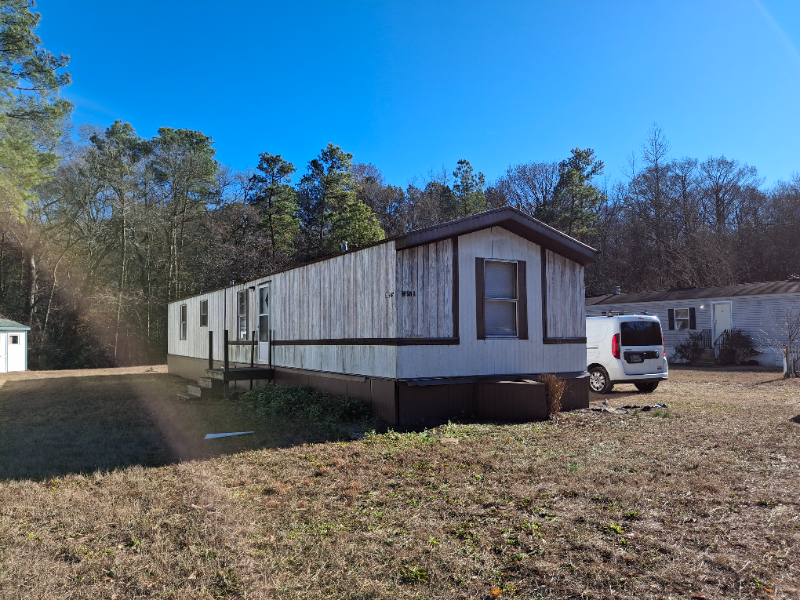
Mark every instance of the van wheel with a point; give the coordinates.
(599, 382)
(647, 388)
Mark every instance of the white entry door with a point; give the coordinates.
(3, 352)
(263, 324)
(722, 318)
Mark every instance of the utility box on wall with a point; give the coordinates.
(13, 346)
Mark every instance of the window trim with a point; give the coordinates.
(204, 315)
(521, 300)
(241, 315)
(13, 339)
(182, 322)
(679, 320)
(672, 319)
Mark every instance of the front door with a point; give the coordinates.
(722, 318)
(263, 324)
(3, 352)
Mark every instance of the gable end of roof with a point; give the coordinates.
(508, 218)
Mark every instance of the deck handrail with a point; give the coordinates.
(721, 340)
(252, 342)
(705, 336)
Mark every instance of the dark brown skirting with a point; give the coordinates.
(425, 402)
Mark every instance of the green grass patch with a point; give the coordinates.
(336, 416)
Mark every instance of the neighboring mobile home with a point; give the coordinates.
(420, 327)
(756, 308)
(13, 346)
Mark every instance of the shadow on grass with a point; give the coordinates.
(56, 426)
(796, 419)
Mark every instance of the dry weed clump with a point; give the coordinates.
(555, 392)
(699, 502)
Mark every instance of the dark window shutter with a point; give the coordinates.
(692, 319)
(522, 301)
(480, 299)
(671, 314)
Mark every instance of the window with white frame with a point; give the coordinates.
(242, 314)
(203, 313)
(681, 318)
(183, 322)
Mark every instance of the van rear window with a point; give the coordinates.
(640, 333)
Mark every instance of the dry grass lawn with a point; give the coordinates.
(98, 498)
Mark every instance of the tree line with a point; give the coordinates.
(99, 231)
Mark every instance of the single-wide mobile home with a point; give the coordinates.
(758, 309)
(13, 346)
(421, 327)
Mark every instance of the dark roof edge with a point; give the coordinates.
(508, 218)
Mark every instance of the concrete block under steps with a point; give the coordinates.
(209, 383)
(188, 396)
(203, 392)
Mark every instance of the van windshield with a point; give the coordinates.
(640, 333)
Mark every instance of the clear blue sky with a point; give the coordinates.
(412, 86)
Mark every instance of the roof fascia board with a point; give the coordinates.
(512, 220)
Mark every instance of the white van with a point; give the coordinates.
(625, 349)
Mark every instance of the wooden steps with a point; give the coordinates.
(706, 359)
(213, 386)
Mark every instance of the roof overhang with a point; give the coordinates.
(508, 218)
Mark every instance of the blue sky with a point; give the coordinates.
(414, 86)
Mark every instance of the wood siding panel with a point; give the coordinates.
(566, 313)
(426, 273)
(348, 296)
(444, 298)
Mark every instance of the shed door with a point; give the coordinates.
(3, 352)
(263, 324)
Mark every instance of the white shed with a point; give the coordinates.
(414, 325)
(755, 308)
(13, 346)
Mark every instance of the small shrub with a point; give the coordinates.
(690, 348)
(555, 391)
(735, 347)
